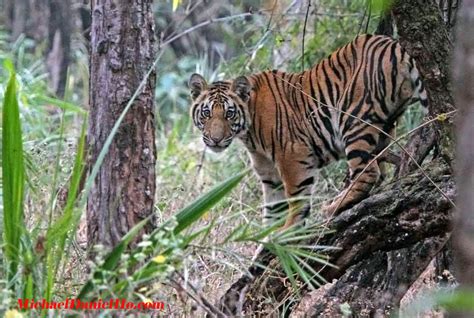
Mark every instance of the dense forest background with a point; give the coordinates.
(190, 265)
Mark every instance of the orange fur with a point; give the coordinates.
(294, 123)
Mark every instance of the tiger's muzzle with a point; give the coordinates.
(217, 135)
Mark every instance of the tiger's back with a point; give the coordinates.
(368, 81)
(291, 123)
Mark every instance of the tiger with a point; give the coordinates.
(345, 106)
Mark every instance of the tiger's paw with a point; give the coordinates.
(334, 206)
(329, 208)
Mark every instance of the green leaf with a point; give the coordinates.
(61, 104)
(62, 229)
(12, 176)
(8, 65)
(190, 214)
(65, 223)
(200, 206)
(286, 263)
(380, 6)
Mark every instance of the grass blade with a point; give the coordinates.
(60, 231)
(196, 209)
(62, 104)
(13, 176)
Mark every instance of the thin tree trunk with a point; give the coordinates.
(59, 44)
(8, 13)
(122, 52)
(50, 21)
(40, 15)
(21, 9)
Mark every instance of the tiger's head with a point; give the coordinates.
(219, 110)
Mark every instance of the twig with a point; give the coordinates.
(189, 10)
(207, 22)
(240, 303)
(201, 162)
(271, 15)
(264, 36)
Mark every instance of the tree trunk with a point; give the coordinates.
(50, 21)
(21, 9)
(386, 241)
(122, 52)
(59, 44)
(29, 17)
(8, 7)
(464, 79)
(423, 33)
(86, 20)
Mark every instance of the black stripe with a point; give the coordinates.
(369, 138)
(276, 207)
(393, 59)
(362, 154)
(277, 109)
(273, 184)
(297, 192)
(304, 212)
(334, 68)
(306, 182)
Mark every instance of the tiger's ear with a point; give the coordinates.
(242, 87)
(196, 84)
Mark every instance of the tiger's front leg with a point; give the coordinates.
(298, 178)
(275, 203)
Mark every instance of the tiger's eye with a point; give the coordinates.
(206, 112)
(230, 113)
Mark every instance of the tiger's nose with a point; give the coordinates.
(217, 138)
(217, 129)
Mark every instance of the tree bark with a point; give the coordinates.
(122, 52)
(464, 79)
(423, 33)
